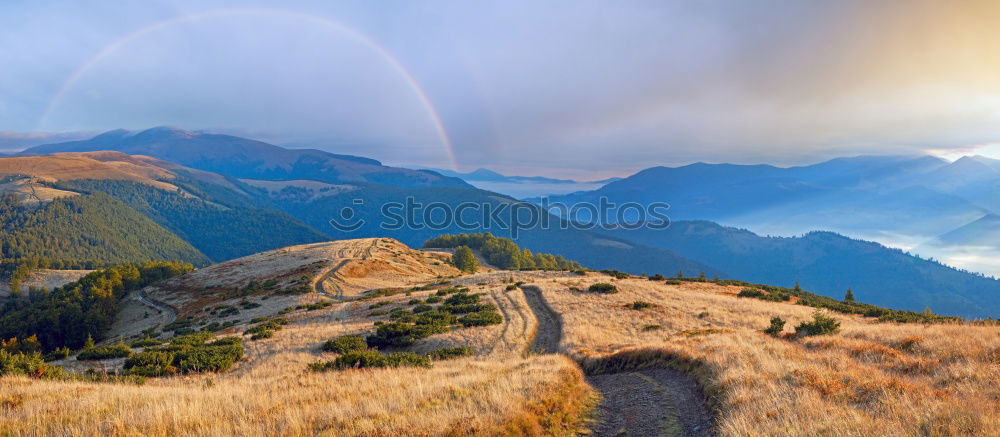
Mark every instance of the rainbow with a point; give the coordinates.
(333, 25)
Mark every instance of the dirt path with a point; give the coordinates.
(645, 402)
(549, 331)
(654, 401)
(168, 313)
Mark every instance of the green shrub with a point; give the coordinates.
(61, 353)
(187, 354)
(616, 274)
(640, 305)
(28, 365)
(369, 358)
(436, 317)
(777, 326)
(462, 298)
(603, 287)
(422, 308)
(397, 334)
(468, 308)
(648, 328)
(820, 325)
(434, 299)
(656, 277)
(510, 287)
(119, 350)
(751, 292)
(345, 343)
(146, 342)
(379, 304)
(446, 353)
(415, 302)
(481, 318)
(672, 281)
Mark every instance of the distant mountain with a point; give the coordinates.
(226, 217)
(316, 205)
(201, 209)
(983, 232)
(485, 175)
(246, 158)
(828, 264)
(887, 197)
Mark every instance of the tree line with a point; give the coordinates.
(503, 252)
(68, 315)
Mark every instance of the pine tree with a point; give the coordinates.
(465, 260)
(927, 310)
(849, 297)
(680, 274)
(89, 344)
(797, 288)
(702, 277)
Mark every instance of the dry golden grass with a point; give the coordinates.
(500, 391)
(869, 379)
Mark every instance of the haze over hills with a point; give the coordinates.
(902, 201)
(523, 186)
(296, 204)
(828, 263)
(229, 215)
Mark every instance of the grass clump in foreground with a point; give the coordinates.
(345, 344)
(603, 288)
(370, 358)
(187, 354)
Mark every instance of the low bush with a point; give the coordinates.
(345, 344)
(648, 328)
(436, 317)
(481, 318)
(369, 358)
(398, 334)
(673, 281)
(657, 277)
(27, 365)
(776, 328)
(120, 350)
(446, 353)
(603, 287)
(434, 299)
(266, 329)
(61, 353)
(616, 274)
(147, 342)
(640, 305)
(422, 308)
(187, 354)
(751, 292)
(820, 325)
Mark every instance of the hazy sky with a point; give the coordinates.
(566, 88)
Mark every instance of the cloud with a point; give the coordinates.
(610, 87)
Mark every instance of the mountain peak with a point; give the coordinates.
(166, 132)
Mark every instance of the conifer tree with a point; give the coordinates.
(465, 260)
(849, 296)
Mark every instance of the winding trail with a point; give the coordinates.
(169, 313)
(643, 402)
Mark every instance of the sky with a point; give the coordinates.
(579, 89)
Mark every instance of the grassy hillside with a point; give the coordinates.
(654, 346)
(94, 227)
